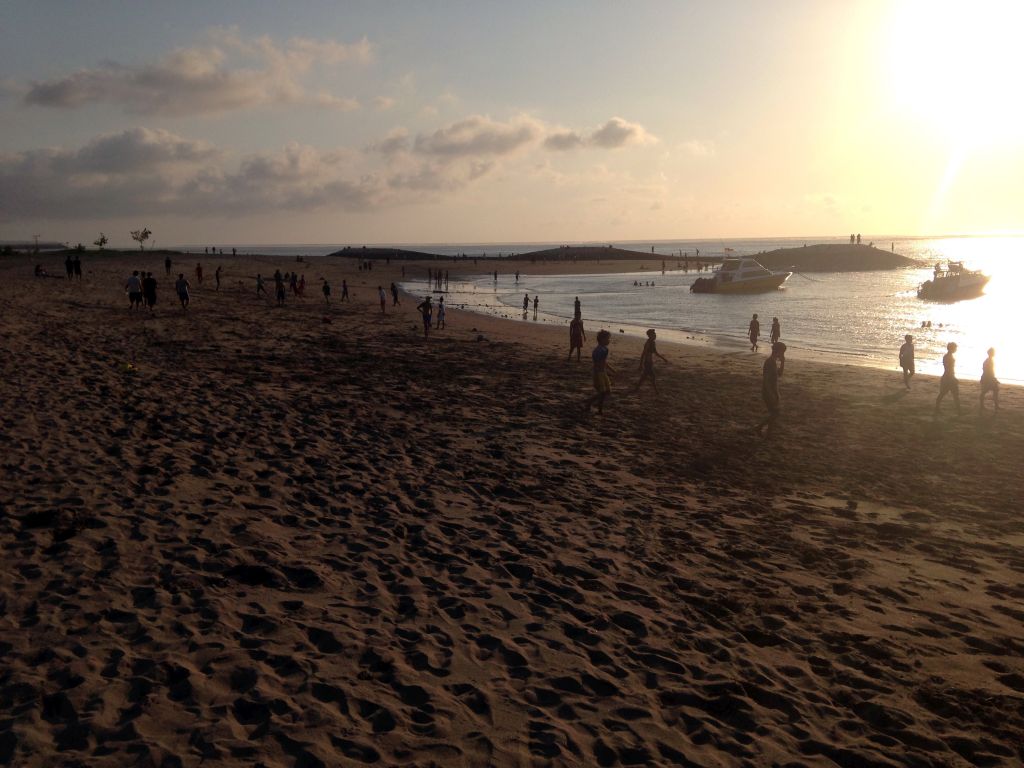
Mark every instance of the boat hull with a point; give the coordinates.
(755, 285)
(947, 290)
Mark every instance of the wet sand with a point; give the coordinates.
(303, 536)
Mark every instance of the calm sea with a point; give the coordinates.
(858, 318)
(852, 317)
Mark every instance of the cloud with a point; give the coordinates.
(477, 135)
(618, 133)
(229, 73)
(613, 134)
(698, 148)
(395, 142)
(383, 103)
(564, 140)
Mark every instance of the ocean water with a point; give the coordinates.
(857, 318)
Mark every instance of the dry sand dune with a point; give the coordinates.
(304, 536)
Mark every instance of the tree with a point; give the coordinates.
(141, 236)
(100, 241)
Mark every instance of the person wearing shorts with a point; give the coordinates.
(907, 359)
(133, 285)
(771, 372)
(426, 310)
(602, 369)
(181, 285)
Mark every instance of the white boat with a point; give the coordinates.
(740, 274)
(953, 283)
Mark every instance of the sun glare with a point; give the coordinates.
(956, 66)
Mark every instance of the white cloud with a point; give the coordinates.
(396, 141)
(229, 73)
(564, 140)
(698, 148)
(383, 103)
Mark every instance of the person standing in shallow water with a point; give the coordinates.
(776, 332)
(754, 332)
(989, 382)
(771, 372)
(602, 371)
(577, 309)
(907, 359)
(948, 383)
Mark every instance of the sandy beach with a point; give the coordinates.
(305, 536)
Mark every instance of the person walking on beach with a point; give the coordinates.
(907, 359)
(149, 290)
(647, 361)
(536, 303)
(383, 299)
(989, 382)
(577, 308)
(293, 284)
(776, 332)
(344, 290)
(279, 291)
(948, 383)
(526, 303)
(770, 375)
(199, 274)
(754, 332)
(69, 267)
(602, 371)
(181, 285)
(260, 287)
(327, 291)
(576, 337)
(133, 286)
(440, 313)
(302, 285)
(394, 295)
(216, 276)
(76, 266)
(426, 310)
(167, 265)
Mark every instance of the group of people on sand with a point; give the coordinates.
(948, 384)
(754, 332)
(426, 310)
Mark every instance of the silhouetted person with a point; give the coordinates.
(260, 287)
(426, 310)
(149, 290)
(770, 375)
(754, 332)
(167, 266)
(69, 267)
(577, 309)
(181, 286)
(776, 332)
(327, 292)
(526, 303)
(948, 382)
(440, 313)
(394, 295)
(383, 299)
(647, 361)
(216, 276)
(907, 359)
(76, 266)
(989, 382)
(344, 290)
(576, 337)
(858, 239)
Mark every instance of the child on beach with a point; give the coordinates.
(199, 273)
(440, 313)
(754, 332)
(989, 382)
(260, 288)
(181, 285)
(576, 337)
(327, 291)
(602, 369)
(647, 361)
(383, 299)
(948, 382)
(216, 276)
(394, 295)
(907, 359)
(344, 290)
(770, 375)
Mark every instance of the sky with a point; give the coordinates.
(485, 122)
